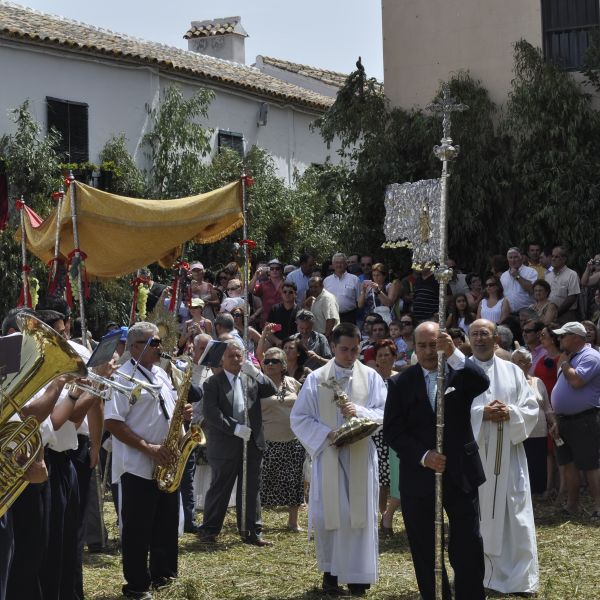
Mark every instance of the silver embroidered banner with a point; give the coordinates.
(412, 219)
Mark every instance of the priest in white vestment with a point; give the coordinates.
(502, 418)
(344, 486)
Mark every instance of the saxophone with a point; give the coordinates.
(168, 477)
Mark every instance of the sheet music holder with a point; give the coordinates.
(105, 349)
(10, 354)
(213, 354)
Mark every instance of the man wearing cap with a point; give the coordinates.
(316, 343)
(268, 291)
(576, 399)
(345, 287)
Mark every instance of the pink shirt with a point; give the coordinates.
(270, 295)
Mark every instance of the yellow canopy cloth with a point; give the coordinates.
(120, 234)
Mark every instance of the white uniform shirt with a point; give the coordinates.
(518, 298)
(144, 417)
(65, 438)
(346, 290)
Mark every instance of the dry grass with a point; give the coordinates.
(569, 564)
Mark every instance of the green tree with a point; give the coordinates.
(555, 144)
(177, 143)
(127, 179)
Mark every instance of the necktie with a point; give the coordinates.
(238, 400)
(432, 388)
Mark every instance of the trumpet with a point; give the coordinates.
(104, 386)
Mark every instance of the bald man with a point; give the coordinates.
(409, 428)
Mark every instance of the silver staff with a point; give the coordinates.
(73, 190)
(446, 152)
(243, 528)
(24, 272)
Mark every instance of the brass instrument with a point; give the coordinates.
(168, 478)
(106, 385)
(355, 428)
(44, 356)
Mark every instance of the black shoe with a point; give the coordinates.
(138, 595)
(358, 589)
(207, 538)
(330, 585)
(192, 528)
(256, 540)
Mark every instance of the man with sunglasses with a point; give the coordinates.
(149, 517)
(531, 336)
(576, 401)
(284, 313)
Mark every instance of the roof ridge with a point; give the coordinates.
(293, 62)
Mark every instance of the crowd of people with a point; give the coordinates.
(522, 393)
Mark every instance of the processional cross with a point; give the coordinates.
(446, 152)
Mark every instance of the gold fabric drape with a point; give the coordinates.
(120, 234)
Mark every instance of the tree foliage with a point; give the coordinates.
(177, 143)
(127, 179)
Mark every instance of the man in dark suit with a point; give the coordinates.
(226, 433)
(409, 428)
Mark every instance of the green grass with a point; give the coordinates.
(569, 555)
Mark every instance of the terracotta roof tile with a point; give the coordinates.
(215, 27)
(328, 77)
(18, 22)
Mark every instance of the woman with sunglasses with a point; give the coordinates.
(282, 469)
(493, 306)
(197, 324)
(238, 322)
(234, 298)
(296, 355)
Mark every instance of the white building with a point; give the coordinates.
(93, 83)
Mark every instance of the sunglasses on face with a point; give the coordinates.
(528, 330)
(153, 342)
(235, 315)
(275, 268)
(271, 361)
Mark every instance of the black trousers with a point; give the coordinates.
(187, 490)
(465, 549)
(536, 451)
(7, 546)
(30, 532)
(81, 462)
(150, 523)
(224, 475)
(59, 570)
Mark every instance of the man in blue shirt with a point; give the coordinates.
(576, 400)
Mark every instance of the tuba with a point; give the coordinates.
(44, 355)
(169, 477)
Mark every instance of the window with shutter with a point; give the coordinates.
(70, 119)
(235, 141)
(568, 28)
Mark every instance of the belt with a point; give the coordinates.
(589, 411)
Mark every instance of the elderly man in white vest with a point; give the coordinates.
(344, 486)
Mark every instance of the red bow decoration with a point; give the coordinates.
(135, 284)
(19, 204)
(56, 196)
(25, 301)
(250, 243)
(177, 267)
(75, 263)
(248, 181)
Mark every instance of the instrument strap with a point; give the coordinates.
(163, 406)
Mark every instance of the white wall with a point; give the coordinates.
(117, 93)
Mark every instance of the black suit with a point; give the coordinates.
(409, 428)
(224, 451)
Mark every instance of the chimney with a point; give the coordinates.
(221, 38)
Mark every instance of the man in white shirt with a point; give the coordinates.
(149, 517)
(564, 286)
(345, 287)
(323, 305)
(518, 281)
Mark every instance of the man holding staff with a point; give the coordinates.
(409, 428)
